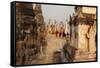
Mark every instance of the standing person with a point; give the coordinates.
(67, 52)
(67, 28)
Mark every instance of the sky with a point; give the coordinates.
(56, 12)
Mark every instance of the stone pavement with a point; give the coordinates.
(56, 44)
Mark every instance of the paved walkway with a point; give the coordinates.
(53, 44)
